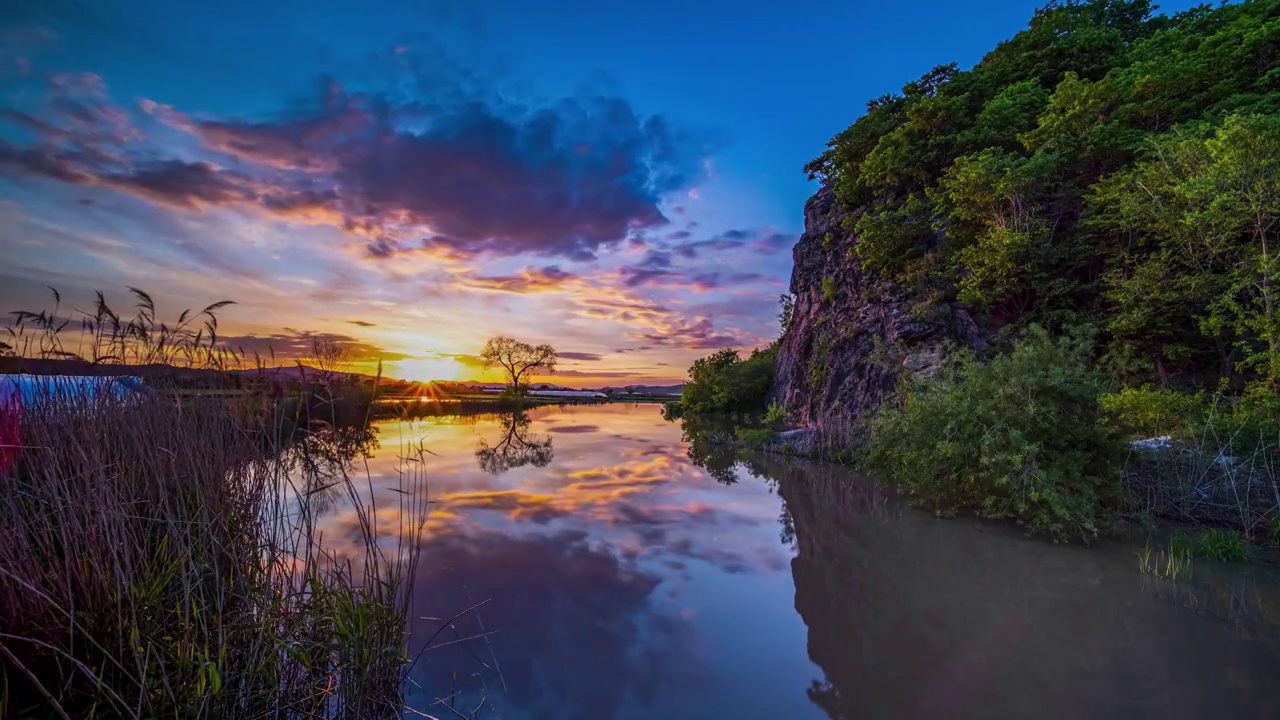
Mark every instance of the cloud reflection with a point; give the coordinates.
(577, 633)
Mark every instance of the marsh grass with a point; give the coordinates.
(1173, 562)
(1221, 467)
(160, 555)
(163, 559)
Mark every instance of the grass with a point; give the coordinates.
(161, 557)
(1221, 545)
(1173, 562)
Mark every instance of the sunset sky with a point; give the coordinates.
(622, 181)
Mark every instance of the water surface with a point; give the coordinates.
(627, 574)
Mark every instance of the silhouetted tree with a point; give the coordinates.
(519, 360)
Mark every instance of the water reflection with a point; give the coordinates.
(636, 573)
(515, 448)
(912, 616)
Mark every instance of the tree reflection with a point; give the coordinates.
(321, 459)
(517, 447)
(912, 616)
(710, 447)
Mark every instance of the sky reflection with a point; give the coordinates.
(609, 567)
(640, 573)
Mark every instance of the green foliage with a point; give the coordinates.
(776, 416)
(1222, 546)
(725, 383)
(1105, 163)
(754, 437)
(1144, 412)
(828, 289)
(1018, 437)
(1207, 205)
(786, 310)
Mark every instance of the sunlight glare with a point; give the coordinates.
(427, 369)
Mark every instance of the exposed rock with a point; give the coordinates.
(853, 333)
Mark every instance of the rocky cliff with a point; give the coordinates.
(854, 333)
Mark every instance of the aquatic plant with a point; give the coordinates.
(1222, 546)
(1173, 562)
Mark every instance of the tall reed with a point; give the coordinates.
(160, 556)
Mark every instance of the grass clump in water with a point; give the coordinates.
(1222, 546)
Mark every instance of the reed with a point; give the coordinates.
(162, 557)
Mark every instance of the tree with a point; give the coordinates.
(1208, 211)
(519, 360)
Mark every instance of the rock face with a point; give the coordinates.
(853, 333)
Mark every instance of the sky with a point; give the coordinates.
(408, 178)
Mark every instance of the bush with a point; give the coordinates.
(828, 289)
(776, 417)
(1146, 412)
(1018, 437)
(754, 437)
(1219, 467)
(724, 383)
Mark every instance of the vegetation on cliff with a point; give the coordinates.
(1106, 165)
(1107, 177)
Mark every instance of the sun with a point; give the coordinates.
(426, 369)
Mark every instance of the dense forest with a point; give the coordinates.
(1106, 166)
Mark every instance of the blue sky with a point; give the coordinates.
(622, 180)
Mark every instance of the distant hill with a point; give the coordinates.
(298, 371)
(69, 366)
(646, 389)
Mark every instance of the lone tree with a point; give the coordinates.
(520, 360)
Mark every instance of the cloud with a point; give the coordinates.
(293, 345)
(700, 335)
(652, 270)
(362, 323)
(529, 280)
(766, 242)
(589, 357)
(453, 168)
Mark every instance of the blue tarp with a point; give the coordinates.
(31, 389)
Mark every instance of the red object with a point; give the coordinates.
(10, 426)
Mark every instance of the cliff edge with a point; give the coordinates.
(854, 333)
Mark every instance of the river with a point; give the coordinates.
(622, 573)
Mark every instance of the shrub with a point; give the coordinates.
(828, 289)
(1018, 437)
(776, 417)
(1219, 469)
(1146, 412)
(754, 437)
(724, 383)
